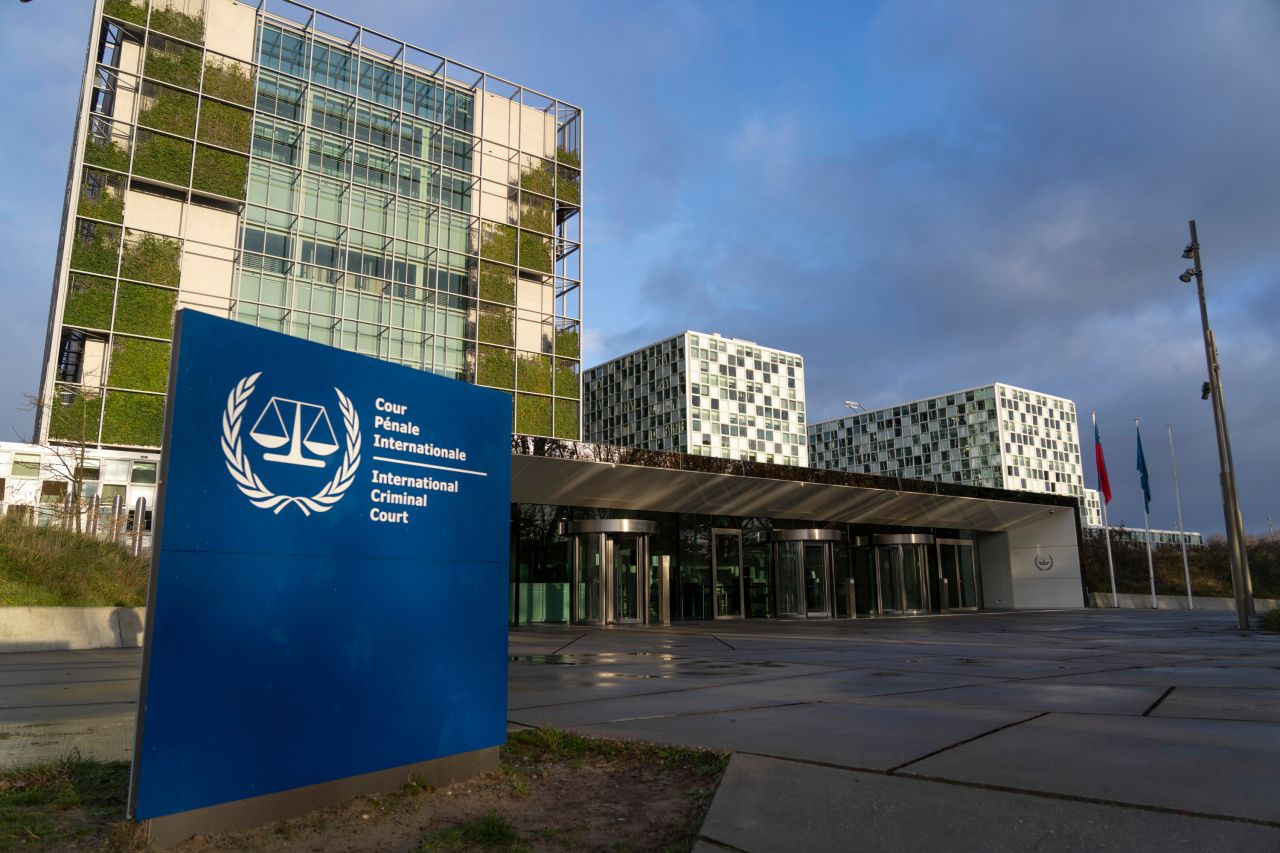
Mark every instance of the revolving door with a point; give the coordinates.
(611, 577)
(804, 575)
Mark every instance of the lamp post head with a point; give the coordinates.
(1186, 276)
(1190, 252)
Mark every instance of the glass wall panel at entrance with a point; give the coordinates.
(728, 571)
(540, 567)
(694, 588)
(758, 577)
(590, 579)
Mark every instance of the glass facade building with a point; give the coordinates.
(273, 164)
(701, 394)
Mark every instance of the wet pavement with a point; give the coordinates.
(1069, 730)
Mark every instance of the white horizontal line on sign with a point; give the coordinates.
(425, 465)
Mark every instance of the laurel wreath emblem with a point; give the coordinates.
(252, 486)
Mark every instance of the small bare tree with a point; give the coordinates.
(73, 430)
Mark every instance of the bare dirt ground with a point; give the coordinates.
(555, 791)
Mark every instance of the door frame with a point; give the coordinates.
(605, 529)
(824, 536)
(735, 532)
(977, 575)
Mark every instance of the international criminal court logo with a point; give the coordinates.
(295, 433)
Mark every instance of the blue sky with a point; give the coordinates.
(917, 196)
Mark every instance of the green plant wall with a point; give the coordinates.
(567, 343)
(176, 23)
(109, 205)
(139, 364)
(169, 110)
(567, 419)
(145, 310)
(150, 257)
(133, 419)
(95, 247)
(496, 325)
(172, 62)
(76, 420)
(535, 252)
(497, 283)
(534, 373)
(163, 158)
(566, 378)
(496, 367)
(498, 242)
(567, 187)
(533, 414)
(539, 180)
(220, 172)
(89, 301)
(229, 81)
(225, 125)
(108, 155)
(126, 11)
(537, 213)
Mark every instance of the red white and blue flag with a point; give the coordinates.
(1104, 484)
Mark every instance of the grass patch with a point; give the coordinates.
(49, 567)
(491, 832)
(550, 744)
(60, 803)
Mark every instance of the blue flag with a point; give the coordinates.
(1142, 471)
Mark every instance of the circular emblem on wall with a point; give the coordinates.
(295, 433)
(1044, 562)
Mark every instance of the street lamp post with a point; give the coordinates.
(1230, 504)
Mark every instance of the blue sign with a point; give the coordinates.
(329, 589)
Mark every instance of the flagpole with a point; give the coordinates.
(1182, 536)
(1146, 516)
(1106, 527)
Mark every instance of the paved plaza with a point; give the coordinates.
(1104, 730)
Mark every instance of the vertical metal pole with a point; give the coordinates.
(66, 511)
(1239, 566)
(1237, 516)
(1146, 523)
(1106, 528)
(1182, 536)
(139, 522)
(117, 507)
(93, 515)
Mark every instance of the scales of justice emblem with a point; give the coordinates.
(293, 426)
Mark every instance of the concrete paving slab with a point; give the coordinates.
(1189, 675)
(1211, 767)
(77, 693)
(1037, 696)
(855, 736)
(1219, 703)
(765, 804)
(65, 675)
(106, 738)
(58, 713)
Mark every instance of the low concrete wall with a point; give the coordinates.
(1142, 601)
(33, 629)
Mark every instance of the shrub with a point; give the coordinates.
(105, 153)
(224, 125)
(228, 80)
(496, 326)
(169, 109)
(497, 367)
(497, 283)
(124, 10)
(1270, 620)
(134, 420)
(534, 373)
(145, 310)
(76, 419)
(89, 301)
(152, 258)
(535, 252)
(173, 62)
(162, 158)
(533, 415)
(95, 247)
(566, 420)
(175, 23)
(220, 172)
(138, 364)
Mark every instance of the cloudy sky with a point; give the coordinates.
(918, 197)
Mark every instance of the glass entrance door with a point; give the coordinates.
(803, 578)
(610, 578)
(726, 554)
(958, 568)
(902, 579)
